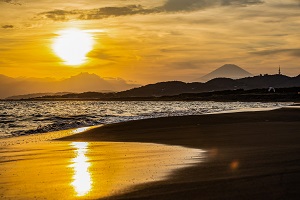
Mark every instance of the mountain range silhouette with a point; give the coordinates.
(82, 82)
(119, 88)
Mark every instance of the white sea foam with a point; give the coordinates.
(23, 118)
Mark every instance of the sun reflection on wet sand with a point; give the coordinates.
(82, 181)
(87, 170)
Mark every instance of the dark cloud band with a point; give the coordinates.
(11, 2)
(291, 52)
(7, 26)
(189, 5)
(169, 7)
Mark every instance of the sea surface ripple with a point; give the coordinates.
(29, 117)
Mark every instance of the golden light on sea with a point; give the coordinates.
(72, 45)
(82, 181)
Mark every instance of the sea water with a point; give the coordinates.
(30, 117)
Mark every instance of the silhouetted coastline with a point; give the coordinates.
(259, 95)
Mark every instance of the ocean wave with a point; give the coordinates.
(24, 118)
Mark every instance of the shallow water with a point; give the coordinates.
(87, 170)
(23, 118)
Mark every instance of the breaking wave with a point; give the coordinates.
(23, 118)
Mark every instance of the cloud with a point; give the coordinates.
(100, 13)
(11, 2)
(7, 26)
(56, 15)
(190, 5)
(169, 7)
(103, 55)
(291, 52)
(186, 65)
(289, 4)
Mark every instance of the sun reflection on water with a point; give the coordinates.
(82, 182)
(80, 130)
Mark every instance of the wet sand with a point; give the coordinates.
(251, 155)
(35, 167)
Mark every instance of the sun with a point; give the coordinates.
(72, 45)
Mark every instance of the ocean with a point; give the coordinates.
(32, 117)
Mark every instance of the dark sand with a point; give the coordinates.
(252, 155)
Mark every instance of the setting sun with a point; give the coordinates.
(72, 45)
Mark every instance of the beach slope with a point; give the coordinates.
(250, 155)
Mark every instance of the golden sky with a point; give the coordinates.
(150, 41)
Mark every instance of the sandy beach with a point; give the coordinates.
(156, 100)
(248, 155)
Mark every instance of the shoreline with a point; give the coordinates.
(284, 114)
(56, 134)
(221, 95)
(41, 137)
(248, 154)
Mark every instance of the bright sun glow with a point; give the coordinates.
(72, 45)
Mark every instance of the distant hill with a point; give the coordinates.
(217, 84)
(80, 83)
(5, 79)
(29, 96)
(227, 71)
(174, 88)
(255, 95)
(162, 89)
(177, 87)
